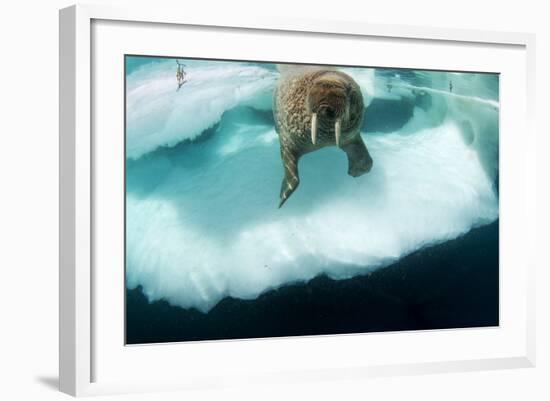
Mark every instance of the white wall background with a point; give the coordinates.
(29, 185)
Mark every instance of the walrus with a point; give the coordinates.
(316, 107)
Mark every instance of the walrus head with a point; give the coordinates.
(332, 101)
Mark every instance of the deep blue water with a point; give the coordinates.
(451, 285)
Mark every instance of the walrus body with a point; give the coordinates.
(314, 108)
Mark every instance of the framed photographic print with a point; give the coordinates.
(317, 200)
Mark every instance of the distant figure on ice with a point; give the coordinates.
(180, 74)
(450, 86)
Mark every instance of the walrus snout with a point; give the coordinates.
(328, 112)
(333, 114)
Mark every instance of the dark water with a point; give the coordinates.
(450, 285)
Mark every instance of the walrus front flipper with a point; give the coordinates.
(359, 160)
(291, 179)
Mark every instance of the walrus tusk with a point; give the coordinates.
(314, 128)
(338, 131)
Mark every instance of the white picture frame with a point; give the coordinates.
(79, 156)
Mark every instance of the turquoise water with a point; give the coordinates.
(204, 172)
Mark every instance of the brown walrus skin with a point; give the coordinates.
(316, 107)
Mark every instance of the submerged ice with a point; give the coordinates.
(204, 173)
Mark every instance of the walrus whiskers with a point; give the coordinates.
(337, 131)
(314, 128)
